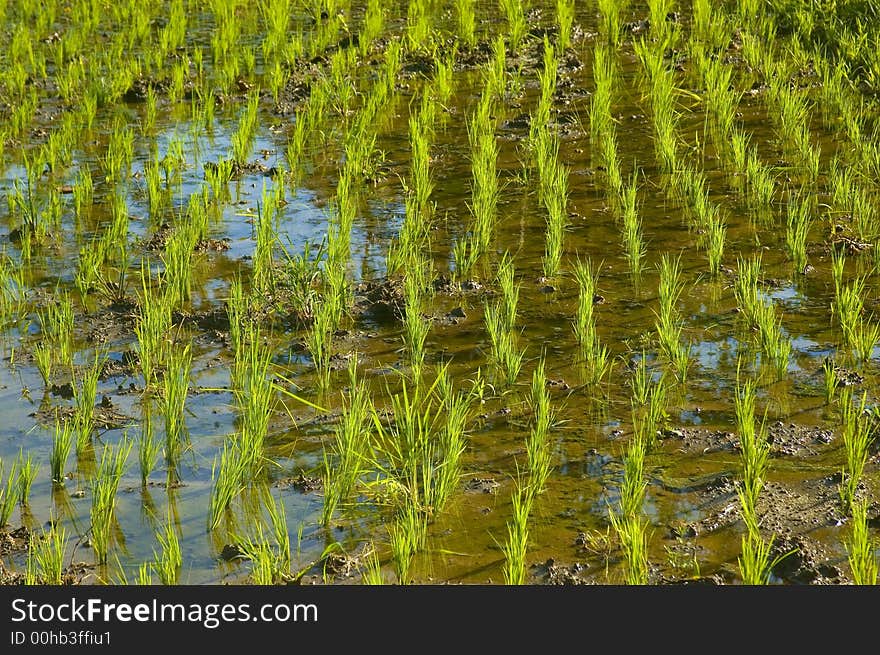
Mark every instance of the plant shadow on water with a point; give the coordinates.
(505, 294)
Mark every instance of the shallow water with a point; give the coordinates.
(594, 424)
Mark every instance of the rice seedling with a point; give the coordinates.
(421, 126)
(344, 211)
(829, 379)
(144, 575)
(372, 573)
(485, 185)
(543, 141)
(278, 523)
(464, 255)
(722, 101)
(167, 561)
(406, 537)
(663, 105)
(176, 280)
(278, 77)
(466, 21)
(604, 74)
(739, 150)
(418, 25)
(337, 295)
(12, 290)
(85, 394)
(88, 272)
(271, 561)
(517, 27)
(634, 245)
(692, 187)
(555, 199)
(111, 468)
(444, 83)
(538, 451)
(633, 536)
(669, 322)
(372, 25)
(266, 234)
(45, 558)
(259, 551)
(8, 494)
(761, 182)
(228, 475)
(27, 468)
(747, 289)
(500, 320)
(457, 407)
(319, 342)
(755, 563)
(62, 444)
(857, 435)
(149, 447)
(640, 381)
(838, 267)
(301, 276)
(254, 393)
(409, 446)
(296, 144)
(754, 446)
(120, 152)
(509, 360)
(594, 355)
(790, 111)
(629, 524)
(23, 113)
(716, 229)
(173, 163)
(243, 138)
(218, 176)
(44, 356)
(148, 124)
(348, 460)
(811, 161)
(517, 544)
(175, 387)
(848, 306)
(709, 26)
(610, 26)
(200, 211)
(416, 326)
(865, 338)
(650, 419)
(760, 316)
(151, 329)
(565, 15)
(240, 328)
(157, 197)
(775, 345)
(860, 547)
(506, 357)
(510, 290)
(57, 327)
(798, 223)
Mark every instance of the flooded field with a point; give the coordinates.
(514, 292)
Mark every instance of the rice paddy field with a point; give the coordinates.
(439, 291)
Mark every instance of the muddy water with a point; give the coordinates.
(690, 502)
